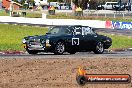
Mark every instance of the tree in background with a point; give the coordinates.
(81, 3)
(92, 3)
(23, 1)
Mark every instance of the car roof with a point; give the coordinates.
(70, 26)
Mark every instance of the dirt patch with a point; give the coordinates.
(59, 73)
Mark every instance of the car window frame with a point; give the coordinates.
(67, 28)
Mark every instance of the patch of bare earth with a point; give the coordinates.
(59, 73)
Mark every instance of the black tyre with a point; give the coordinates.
(81, 80)
(59, 48)
(99, 49)
(103, 8)
(32, 52)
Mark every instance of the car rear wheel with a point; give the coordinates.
(32, 52)
(99, 49)
(59, 48)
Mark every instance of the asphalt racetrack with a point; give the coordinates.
(78, 55)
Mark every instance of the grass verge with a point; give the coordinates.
(11, 35)
(120, 41)
(34, 15)
(3, 13)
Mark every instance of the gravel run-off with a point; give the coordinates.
(59, 73)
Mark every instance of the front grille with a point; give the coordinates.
(34, 40)
(35, 43)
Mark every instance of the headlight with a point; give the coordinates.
(23, 41)
(108, 40)
(42, 41)
(47, 41)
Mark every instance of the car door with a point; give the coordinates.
(78, 38)
(90, 38)
(72, 38)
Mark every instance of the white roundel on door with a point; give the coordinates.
(75, 41)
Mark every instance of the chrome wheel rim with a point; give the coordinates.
(60, 47)
(100, 47)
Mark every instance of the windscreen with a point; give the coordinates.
(54, 30)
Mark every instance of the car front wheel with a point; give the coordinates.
(59, 48)
(99, 49)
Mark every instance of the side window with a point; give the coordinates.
(86, 30)
(115, 4)
(60, 4)
(66, 31)
(108, 3)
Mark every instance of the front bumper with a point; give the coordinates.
(36, 47)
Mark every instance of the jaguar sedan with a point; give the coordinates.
(71, 39)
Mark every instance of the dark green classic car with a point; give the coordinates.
(69, 39)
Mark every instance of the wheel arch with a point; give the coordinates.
(65, 43)
(99, 40)
(60, 40)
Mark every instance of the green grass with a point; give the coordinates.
(3, 13)
(11, 35)
(34, 15)
(120, 41)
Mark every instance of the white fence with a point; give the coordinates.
(41, 21)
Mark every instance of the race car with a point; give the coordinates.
(71, 39)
